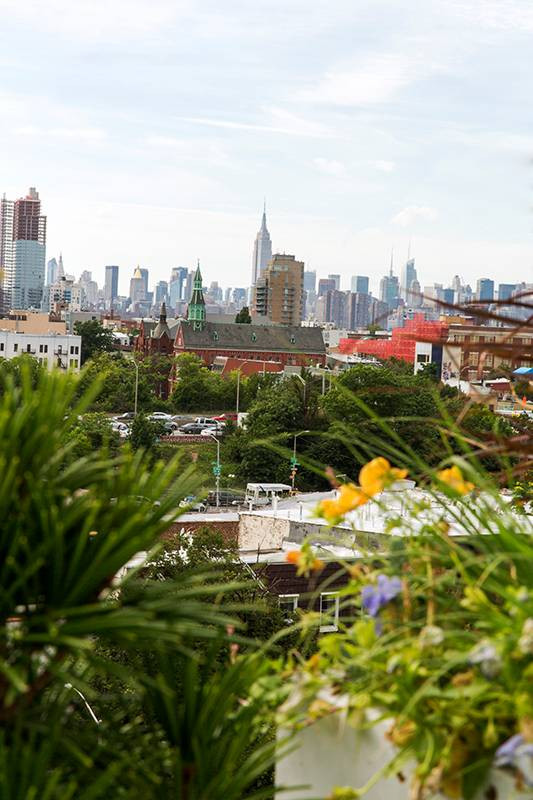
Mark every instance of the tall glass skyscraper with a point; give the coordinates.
(111, 286)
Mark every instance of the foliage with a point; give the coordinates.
(94, 338)
(430, 372)
(144, 434)
(440, 641)
(117, 374)
(69, 526)
(89, 433)
(12, 369)
(243, 316)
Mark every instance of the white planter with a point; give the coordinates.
(331, 753)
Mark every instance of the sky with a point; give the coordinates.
(154, 129)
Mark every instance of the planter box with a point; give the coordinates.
(331, 753)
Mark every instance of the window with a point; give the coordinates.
(329, 612)
(293, 340)
(28, 348)
(288, 604)
(2, 347)
(46, 348)
(41, 350)
(76, 350)
(71, 349)
(215, 336)
(15, 348)
(254, 337)
(422, 358)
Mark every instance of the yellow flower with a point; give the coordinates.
(350, 497)
(377, 475)
(453, 478)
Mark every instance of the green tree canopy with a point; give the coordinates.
(94, 338)
(243, 316)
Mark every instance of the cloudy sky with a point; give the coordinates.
(154, 128)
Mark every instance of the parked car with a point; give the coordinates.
(192, 428)
(125, 416)
(213, 430)
(204, 421)
(228, 497)
(170, 426)
(193, 504)
(160, 416)
(119, 427)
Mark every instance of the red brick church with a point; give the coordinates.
(284, 345)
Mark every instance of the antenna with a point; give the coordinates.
(409, 249)
(391, 260)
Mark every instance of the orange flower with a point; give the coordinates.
(377, 475)
(304, 560)
(453, 478)
(292, 556)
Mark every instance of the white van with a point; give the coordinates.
(261, 494)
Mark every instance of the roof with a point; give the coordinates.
(271, 338)
(270, 487)
(523, 371)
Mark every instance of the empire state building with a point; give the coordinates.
(262, 250)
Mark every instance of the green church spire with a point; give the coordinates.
(196, 308)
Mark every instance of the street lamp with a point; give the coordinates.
(294, 462)
(217, 469)
(247, 361)
(135, 364)
(304, 385)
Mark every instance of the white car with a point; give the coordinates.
(214, 431)
(160, 416)
(121, 429)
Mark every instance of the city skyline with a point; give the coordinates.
(364, 125)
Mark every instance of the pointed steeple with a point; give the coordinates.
(60, 268)
(391, 260)
(262, 248)
(196, 308)
(161, 329)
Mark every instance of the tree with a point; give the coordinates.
(94, 338)
(243, 316)
(67, 530)
(429, 372)
(144, 433)
(90, 433)
(199, 389)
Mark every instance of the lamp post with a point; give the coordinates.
(294, 461)
(216, 469)
(135, 364)
(305, 386)
(247, 361)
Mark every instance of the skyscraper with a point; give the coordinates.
(389, 289)
(325, 285)
(161, 292)
(262, 250)
(359, 283)
(279, 291)
(110, 286)
(144, 273)
(310, 281)
(485, 289)
(51, 271)
(137, 287)
(22, 251)
(336, 280)
(505, 290)
(408, 275)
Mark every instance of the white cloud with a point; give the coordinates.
(329, 166)
(383, 166)
(375, 80)
(412, 214)
(283, 122)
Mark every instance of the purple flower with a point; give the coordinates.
(517, 753)
(374, 598)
